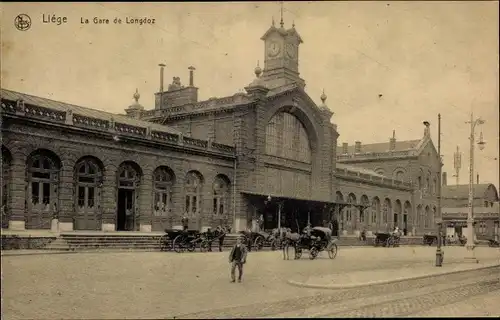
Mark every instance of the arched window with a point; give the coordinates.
(88, 185)
(43, 176)
(221, 196)
(286, 137)
(128, 176)
(193, 193)
(428, 184)
(434, 185)
(482, 228)
(375, 210)
(419, 183)
(427, 217)
(400, 175)
(163, 180)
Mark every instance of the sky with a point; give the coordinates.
(383, 65)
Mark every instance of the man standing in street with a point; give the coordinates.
(237, 258)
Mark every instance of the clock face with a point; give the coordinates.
(273, 49)
(291, 51)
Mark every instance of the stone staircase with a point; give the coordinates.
(86, 242)
(145, 242)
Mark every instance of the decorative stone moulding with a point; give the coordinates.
(78, 120)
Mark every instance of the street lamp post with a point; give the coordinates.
(439, 218)
(280, 205)
(470, 216)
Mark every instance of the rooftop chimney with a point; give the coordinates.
(191, 76)
(344, 148)
(392, 141)
(444, 183)
(162, 71)
(357, 147)
(477, 182)
(427, 130)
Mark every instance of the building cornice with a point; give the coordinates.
(121, 132)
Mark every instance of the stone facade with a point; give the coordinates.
(68, 143)
(270, 152)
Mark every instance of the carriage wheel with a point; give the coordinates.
(163, 242)
(332, 251)
(191, 246)
(298, 253)
(273, 245)
(376, 242)
(258, 243)
(178, 244)
(204, 246)
(390, 242)
(313, 253)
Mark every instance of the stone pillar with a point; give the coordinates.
(66, 196)
(496, 230)
(17, 219)
(108, 199)
(145, 201)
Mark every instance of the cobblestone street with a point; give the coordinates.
(160, 285)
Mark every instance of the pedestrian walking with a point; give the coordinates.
(237, 258)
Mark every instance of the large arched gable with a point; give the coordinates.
(304, 114)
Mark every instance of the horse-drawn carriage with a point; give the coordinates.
(258, 240)
(429, 239)
(385, 239)
(493, 243)
(318, 239)
(180, 240)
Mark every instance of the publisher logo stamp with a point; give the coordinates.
(22, 22)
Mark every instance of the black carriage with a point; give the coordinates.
(261, 238)
(386, 239)
(180, 240)
(493, 243)
(429, 239)
(319, 239)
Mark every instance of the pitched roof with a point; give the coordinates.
(461, 191)
(343, 166)
(382, 147)
(83, 111)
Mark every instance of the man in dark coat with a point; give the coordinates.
(237, 258)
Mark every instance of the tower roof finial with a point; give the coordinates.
(136, 95)
(323, 97)
(281, 21)
(394, 134)
(258, 70)
(272, 23)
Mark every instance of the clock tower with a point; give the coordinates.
(281, 62)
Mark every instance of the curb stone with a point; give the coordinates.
(380, 282)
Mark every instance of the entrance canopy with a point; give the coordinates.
(294, 213)
(277, 198)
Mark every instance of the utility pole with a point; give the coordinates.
(470, 216)
(457, 163)
(439, 251)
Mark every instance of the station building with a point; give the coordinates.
(268, 152)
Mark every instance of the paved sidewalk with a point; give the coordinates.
(356, 279)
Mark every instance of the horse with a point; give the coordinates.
(289, 238)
